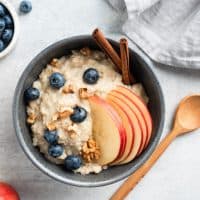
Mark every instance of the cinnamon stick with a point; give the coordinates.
(106, 47)
(127, 77)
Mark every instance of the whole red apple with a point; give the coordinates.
(7, 192)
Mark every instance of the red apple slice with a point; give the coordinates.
(137, 139)
(128, 126)
(129, 94)
(108, 130)
(139, 116)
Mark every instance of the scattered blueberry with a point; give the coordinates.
(72, 162)
(57, 80)
(25, 6)
(55, 150)
(2, 45)
(91, 76)
(2, 10)
(31, 94)
(7, 35)
(2, 24)
(78, 115)
(8, 21)
(51, 136)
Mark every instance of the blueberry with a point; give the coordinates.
(51, 136)
(57, 80)
(25, 6)
(55, 150)
(2, 45)
(78, 115)
(31, 94)
(7, 35)
(8, 21)
(2, 24)
(72, 162)
(2, 10)
(91, 76)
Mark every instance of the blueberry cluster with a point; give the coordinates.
(6, 27)
(55, 150)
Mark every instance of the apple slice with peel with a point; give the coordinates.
(108, 130)
(138, 114)
(128, 126)
(129, 94)
(137, 134)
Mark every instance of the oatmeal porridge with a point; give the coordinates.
(61, 117)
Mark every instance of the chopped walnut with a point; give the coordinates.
(85, 51)
(62, 108)
(68, 89)
(65, 114)
(31, 118)
(84, 93)
(55, 62)
(51, 126)
(90, 151)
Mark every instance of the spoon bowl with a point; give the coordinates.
(188, 115)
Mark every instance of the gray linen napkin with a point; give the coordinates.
(167, 30)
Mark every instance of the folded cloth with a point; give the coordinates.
(167, 30)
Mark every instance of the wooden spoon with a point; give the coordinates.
(187, 118)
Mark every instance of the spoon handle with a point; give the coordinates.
(133, 179)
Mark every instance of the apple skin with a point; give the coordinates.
(7, 192)
(138, 101)
(112, 131)
(137, 132)
(128, 126)
(141, 121)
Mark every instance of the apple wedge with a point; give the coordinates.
(127, 123)
(138, 115)
(136, 130)
(108, 130)
(129, 94)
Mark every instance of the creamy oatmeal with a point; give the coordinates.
(51, 111)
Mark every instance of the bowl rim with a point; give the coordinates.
(57, 177)
(15, 19)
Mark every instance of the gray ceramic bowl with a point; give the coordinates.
(143, 73)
